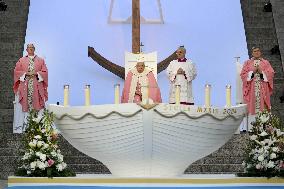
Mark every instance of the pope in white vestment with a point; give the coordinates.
(181, 72)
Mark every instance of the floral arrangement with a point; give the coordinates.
(265, 153)
(41, 155)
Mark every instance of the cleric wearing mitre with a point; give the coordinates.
(140, 85)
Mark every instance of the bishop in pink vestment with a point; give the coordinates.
(31, 81)
(140, 84)
(257, 76)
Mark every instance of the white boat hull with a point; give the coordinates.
(133, 141)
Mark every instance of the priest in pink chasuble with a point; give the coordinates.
(257, 76)
(140, 85)
(181, 72)
(31, 81)
(30, 86)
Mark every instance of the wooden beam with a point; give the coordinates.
(135, 26)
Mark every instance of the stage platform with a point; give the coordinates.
(108, 181)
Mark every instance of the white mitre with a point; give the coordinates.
(140, 58)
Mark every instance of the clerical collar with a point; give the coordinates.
(182, 59)
(31, 57)
(256, 58)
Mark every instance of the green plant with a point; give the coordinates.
(42, 156)
(265, 152)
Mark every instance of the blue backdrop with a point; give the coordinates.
(211, 30)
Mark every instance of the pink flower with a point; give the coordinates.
(50, 162)
(281, 165)
(269, 129)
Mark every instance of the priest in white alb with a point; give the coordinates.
(181, 72)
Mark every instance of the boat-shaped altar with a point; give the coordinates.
(135, 140)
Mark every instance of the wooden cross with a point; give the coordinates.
(135, 26)
(119, 70)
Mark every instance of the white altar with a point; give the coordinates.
(136, 141)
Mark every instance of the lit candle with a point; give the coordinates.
(87, 95)
(66, 95)
(177, 94)
(116, 93)
(228, 96)
(207, 95)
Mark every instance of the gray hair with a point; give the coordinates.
(30, 44)
(182, 49)
(256, 47)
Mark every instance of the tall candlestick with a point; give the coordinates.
(228, 96)
(177, 94)
(87, 95)
(207, 95)
(116, 93)
(66, 95)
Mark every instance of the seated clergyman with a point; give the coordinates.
(140, 86)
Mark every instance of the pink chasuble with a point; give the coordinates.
(134, 82)
(40, 95)
(266, 87)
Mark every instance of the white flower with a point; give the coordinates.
(41, 165)
(278, 132)
(262, 143)
(45, 146)
(29, 172)
(60, 157)
(43, 130)
(32, 145)
(42, 157)
(260, 151)
(260, 158)
(275, 149)
(272, 156)
(266, 148)
(33, 165)
(53, 153)
(64, 165)
(59, 167)
(26, 156)
(48, 138)
(270, 164)
(39, 143)
(270, 142)
(253, 137)
(37, 137)
(38, 154)
(264, 118)
(263, 133)
(258, 166)
(38, 119)
(266, 141)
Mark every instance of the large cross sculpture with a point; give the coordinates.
(119, 70)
